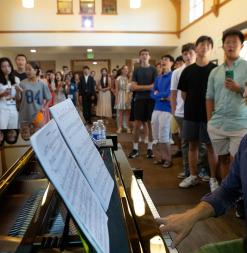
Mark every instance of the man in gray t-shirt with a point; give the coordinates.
(32, 101)
(142, 84)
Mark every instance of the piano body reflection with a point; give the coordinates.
(34, 219)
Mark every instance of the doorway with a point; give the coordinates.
(94, 65)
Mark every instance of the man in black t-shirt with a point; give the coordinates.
(21, 61)
(142, 83)
(193, 84)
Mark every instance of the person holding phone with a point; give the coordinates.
(226, 110)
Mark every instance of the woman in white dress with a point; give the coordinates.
(60, 88)
(123, 98)
(104, 97)
(8, 82)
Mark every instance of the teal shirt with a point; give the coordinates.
(230, 111)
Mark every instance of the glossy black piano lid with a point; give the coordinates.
(149, 233)
(116, 222)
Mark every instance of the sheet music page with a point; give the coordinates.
(64, 173)
(84, 150)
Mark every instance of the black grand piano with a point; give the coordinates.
(33, 217)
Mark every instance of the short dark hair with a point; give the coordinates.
(179, 58)
(143, 50)
(21, 55)
(86, 67)
(205, 38)
(233, 32)
(35, 66)
(187, 47)
(168, 56)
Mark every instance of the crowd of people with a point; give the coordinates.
(205, 100)
(214, 102)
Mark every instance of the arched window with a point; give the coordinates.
(196, 9)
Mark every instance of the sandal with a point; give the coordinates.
(167, 164)
(159, 162)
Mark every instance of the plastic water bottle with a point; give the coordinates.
(95, 132)
(102, 131)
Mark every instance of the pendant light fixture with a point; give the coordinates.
(28, 3)
(135, 4)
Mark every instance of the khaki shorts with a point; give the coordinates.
(225, 142)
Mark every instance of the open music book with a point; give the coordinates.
(77, 171)
(69, 181)
(84, 150)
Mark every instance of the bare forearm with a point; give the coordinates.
(144, 87)
(173, 100)
(184, 95)
(210, 108)
(201, 212)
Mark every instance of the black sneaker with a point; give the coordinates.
(239, 205)
(177, 154)
(150, 154)
(133, 154)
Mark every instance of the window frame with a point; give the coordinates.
(87, 13)
(104, 12)
(64, 13)
(190, 10)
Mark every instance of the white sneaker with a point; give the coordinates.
(146, 140)
(119, 131)
(189, 181)
(213, 183)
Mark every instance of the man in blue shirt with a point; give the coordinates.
(161, 116)
(215, 203)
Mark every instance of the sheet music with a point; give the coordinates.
(83, 149)
(64, 173)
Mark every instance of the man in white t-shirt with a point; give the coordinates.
(177, 103)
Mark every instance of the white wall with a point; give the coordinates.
(232, 13)
(152, 17)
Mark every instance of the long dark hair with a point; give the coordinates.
(11, 75)
(62, 78)
(101, 79)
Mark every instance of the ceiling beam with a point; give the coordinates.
(216, 7)
(177, 6)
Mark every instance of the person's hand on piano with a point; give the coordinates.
(182, 224)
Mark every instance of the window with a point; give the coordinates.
(64, 7)
(87, 7)
(109, 7)
(196, 9)
(243, 52)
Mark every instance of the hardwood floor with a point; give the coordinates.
(162, 185)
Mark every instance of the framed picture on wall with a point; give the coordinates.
(64, 6)
(87, 7)
(109, 7)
